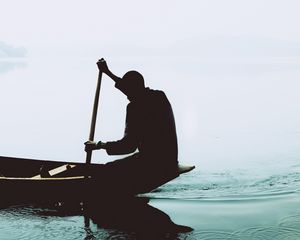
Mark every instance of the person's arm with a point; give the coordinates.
(102, 65)
(127, 144)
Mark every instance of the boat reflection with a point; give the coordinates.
(135, 216)
(114, 218)
(121, 218)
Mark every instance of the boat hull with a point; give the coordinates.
(20, 181)
(17, 184)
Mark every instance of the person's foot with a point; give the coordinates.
(181, 229)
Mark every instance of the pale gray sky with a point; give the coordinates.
(148, 27)
(230, 69)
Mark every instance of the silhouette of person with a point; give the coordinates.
(150, 128)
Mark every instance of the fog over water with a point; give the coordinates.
(230, 70)
(228, 112)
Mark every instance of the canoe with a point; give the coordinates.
(30, 180)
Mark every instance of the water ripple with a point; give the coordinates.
(269, 233)
(291, 221)
(20, 223)
(199, 185)
(257, 233)
(211, 235)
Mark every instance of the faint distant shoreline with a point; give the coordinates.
(9, 51)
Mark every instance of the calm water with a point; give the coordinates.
(241, 183)
(184, 200)
(238, 121)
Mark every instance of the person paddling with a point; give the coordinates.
(150, 134)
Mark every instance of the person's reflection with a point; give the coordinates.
(135, 216)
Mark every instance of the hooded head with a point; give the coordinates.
(132, 85)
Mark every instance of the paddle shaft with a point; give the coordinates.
(94, 117)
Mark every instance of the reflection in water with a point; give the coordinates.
(117, 219)
(6, 66)
(124, 219)
(136, 219)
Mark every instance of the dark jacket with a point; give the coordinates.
(150, 128)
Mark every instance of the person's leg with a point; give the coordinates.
(124, 164)
(121, 176)
(134, 174)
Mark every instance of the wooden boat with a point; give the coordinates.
(29, 180)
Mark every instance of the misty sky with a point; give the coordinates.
(150, 27)
(230, 69)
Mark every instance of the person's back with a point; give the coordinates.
(158, 140)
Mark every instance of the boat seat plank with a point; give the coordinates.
(56, 171)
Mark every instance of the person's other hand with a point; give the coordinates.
(102, 65)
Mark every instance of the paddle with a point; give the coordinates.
(94, 116)
(91, 137)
